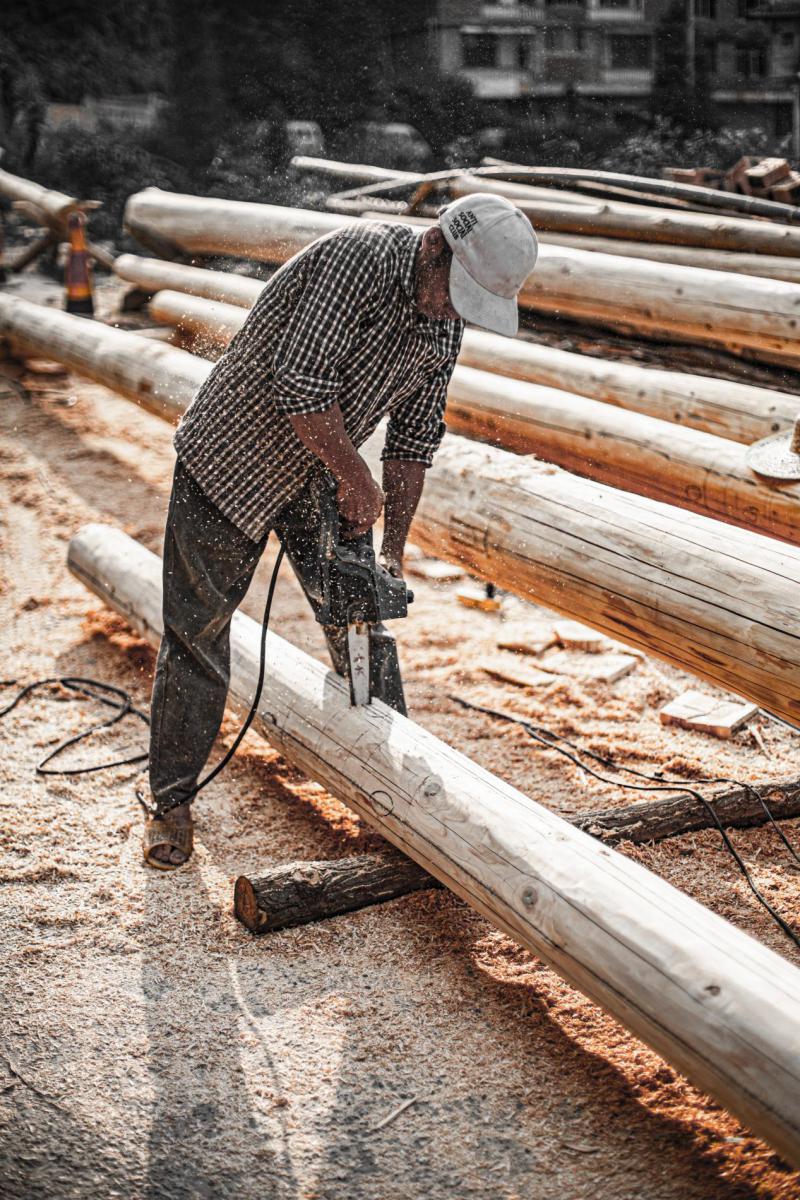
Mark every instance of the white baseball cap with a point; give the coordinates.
(494, 251)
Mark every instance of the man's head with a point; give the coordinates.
(473, 262)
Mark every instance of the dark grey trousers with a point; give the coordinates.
(208, 566)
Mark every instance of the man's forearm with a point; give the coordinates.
(358, 496)
(324, 434)
(402, 485)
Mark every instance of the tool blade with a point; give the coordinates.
(358, 655)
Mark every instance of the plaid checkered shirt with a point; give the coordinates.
(337, 323)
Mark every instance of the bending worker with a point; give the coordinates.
(364, 322)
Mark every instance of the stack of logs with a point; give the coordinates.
(771, 177)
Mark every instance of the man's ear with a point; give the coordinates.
(434, 240)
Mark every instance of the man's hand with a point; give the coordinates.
(392, 564)
(359, 501)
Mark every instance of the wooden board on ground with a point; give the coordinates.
(434, 570)
(704, 713)
(511, 669)
(592, 667)
(474, 596)
(526, 637)
(574, 636)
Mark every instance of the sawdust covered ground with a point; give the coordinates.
(152, 1048)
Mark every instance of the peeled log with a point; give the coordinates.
(639, 222)
(769, 266)
(54, 207)
(737, 411)
(160, 378)
(153, 274)
(697, 471)
(715, 1002)
(758, 318)
(715, 600)
(673, 463)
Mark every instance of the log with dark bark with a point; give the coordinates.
(301, 892)
(656, 820)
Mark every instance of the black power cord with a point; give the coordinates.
(122, 703)
(659, 783)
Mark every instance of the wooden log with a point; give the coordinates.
(673, 816)
(722, 601)
(715, 1002)
(715, 600)
(640, 223)
(298, 893)
(577, 177)
(736, 411)
(639, 453)
(668, 462)
(160, 378)
(301, 892)
(153, 275)
(768, 266)
(754, 317)
(53, 207)
(559, 178)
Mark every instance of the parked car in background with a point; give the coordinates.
(393, 144)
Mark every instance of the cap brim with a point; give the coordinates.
(478, 305)
(774, 457)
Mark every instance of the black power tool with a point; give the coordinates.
(352, 595)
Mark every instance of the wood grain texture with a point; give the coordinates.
(754, 317)
(718, 601)
(667, 461)
(715, 1002)
(737, 411)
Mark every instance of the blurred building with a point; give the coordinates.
(541, 55)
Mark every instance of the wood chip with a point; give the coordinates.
(574, 636)
(434, 570)
(509, 669)
(698, 710)
(44, 366)
(526, 638)
(475, 597)
(600, 668)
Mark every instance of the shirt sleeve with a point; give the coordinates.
(416, 427)
(343, 285)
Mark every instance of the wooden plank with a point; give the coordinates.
(510, 668)
(715, 1002)
(707, 714)
(605, 667)
(574, 636)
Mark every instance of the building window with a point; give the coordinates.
(746, 8)
(751, 63)
(524, 52)
(630, 4)
(479, 49)
(629, 53)
(706, 9)
(787, 37)
(563, 39)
